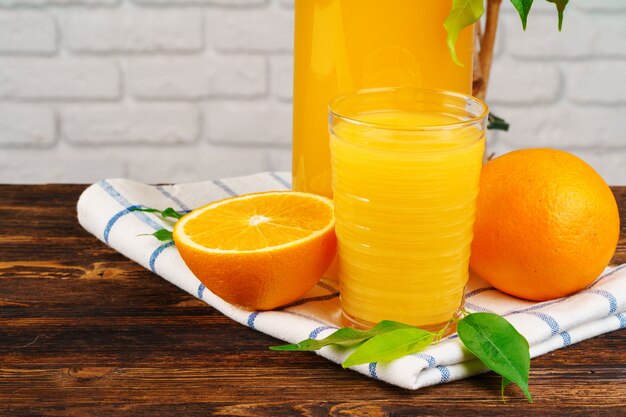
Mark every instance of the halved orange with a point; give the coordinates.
(259, 251)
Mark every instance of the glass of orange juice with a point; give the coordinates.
(405, 172)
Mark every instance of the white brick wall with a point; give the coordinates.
(184, 90)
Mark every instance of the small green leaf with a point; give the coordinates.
(145, 210)
(162, 234)
(560, 7)
(345, 337)
(523, 8)
(168, 212)
(498, 345)
(389, 346)
(462, 14)
(497, 123)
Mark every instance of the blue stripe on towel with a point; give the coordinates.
(478, 291)
(114, 219)
(445, 374)
(567, 340)
(141, 215)
(622, 320)
(549, 320)
(173, 198)
(319, 330)
(372, 370)
(157, 252)
(200, 292)
(117, 196)
(475, 307)
(610, 298)
(535, 307)
(543, 304)
(224, 187)
(280, 180)
(432, 362)
(251, 318)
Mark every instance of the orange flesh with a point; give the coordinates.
(258, 222)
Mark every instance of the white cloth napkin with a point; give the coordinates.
(103, 209)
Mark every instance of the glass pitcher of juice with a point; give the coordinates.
(346, 45)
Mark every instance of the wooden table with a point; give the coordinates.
(86, 332)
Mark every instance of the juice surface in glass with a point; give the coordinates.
(345, 45)
(406, 167)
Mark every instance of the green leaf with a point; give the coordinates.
(168, 212)
(523, 8)
(389, 346)
(463, 14)
(560, 7)
(162, 234)
(345, 337)
(497, 123)
(498, 345)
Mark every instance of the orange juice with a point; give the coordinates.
(345, 45)
(406, 167)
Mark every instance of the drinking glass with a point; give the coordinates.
(405, 174)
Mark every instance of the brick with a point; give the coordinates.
(67, 78)
(108, 124)
(25, 32)
(26, 125)
(48, 167)
(229, 3)
(563, 126)
(198, 163)
(40, 3)
(134, 31)
(251, 123)
(583, 36)
(523, 83)
(600, 6)
(594, 82)
(282, 77)
(197, 77)
(252, 30)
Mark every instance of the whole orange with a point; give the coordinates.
(546, 224)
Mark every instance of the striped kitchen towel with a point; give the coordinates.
(105, 210)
